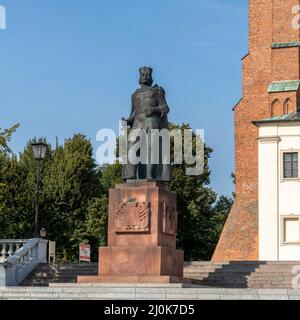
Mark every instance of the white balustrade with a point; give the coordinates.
(8, 247)
(19, 258)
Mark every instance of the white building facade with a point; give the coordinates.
(279, 188)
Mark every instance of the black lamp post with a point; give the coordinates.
(39, 151)
(43, 233)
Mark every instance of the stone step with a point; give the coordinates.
(61, 273)
(186, 270)
(231, 274)
(67, 269)
(244, 268)
(69, 266)
(271, 272)
(146, 292)
(239, 263)
(47, 273)
(238, 275)
(43, 273)
(217, 273)
(63, 280)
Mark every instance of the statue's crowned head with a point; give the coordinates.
(146, 76)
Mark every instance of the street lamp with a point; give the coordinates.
(43, 233)
(39, 151)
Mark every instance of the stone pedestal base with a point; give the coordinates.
(141, 261)
(132, 279)
(142, 227)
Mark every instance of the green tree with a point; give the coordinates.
(201, 214)
(74, 199)
(19, 178)
(68, 188)
(96, 224)
(110, 176)
(233, 177)
(5, 137)
(71, 192)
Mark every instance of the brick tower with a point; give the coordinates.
(270, 87)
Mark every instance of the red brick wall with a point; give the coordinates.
(269, 21)
(282, 17)
(279, 105)
(285, 71)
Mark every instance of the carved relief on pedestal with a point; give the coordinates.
(169, 215)
(132, 217)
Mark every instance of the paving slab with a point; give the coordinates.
(273, 297)
(146, 292)
(239, 297)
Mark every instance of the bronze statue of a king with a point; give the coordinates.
(149, 111)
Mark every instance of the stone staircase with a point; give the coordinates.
(45, 274)
(139, 291)
(245, 274)
(242, 274)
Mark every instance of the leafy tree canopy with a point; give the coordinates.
(74, 198)
(5, 136)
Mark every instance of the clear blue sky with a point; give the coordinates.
(71, 66)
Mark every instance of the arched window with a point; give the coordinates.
(276, 108)
(287, 106)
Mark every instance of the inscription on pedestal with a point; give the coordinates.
(132, 217)
(169, 219)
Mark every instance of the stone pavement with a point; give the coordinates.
(142, 292)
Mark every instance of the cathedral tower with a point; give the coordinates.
(270, 88)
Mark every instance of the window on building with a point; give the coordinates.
(291, 229)
(287, 106)
(290, 165)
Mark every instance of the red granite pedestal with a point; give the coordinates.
(142, 227)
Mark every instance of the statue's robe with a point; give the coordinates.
(144, 99)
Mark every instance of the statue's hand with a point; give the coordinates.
(149, 112)
(128, 122)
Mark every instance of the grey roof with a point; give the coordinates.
(294, 116)
(284, 86)
(285, 44)
(237, 104)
